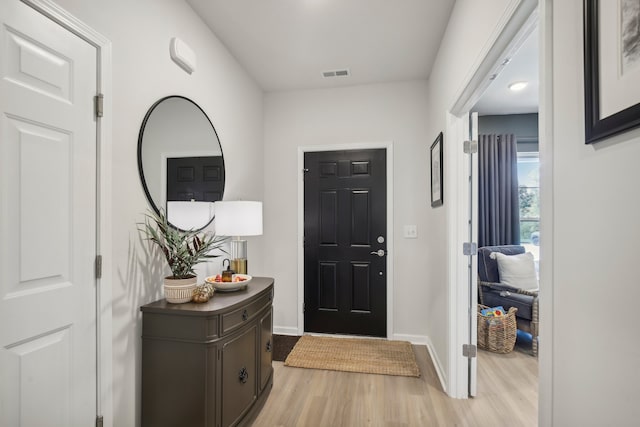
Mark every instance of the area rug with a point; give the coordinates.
(370, 356)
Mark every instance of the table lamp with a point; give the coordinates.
(236, 219)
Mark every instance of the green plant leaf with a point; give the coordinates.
(182, 249)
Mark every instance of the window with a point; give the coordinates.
(529, 197)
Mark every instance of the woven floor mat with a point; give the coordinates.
(371, 356)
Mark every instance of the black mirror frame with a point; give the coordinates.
(140, 169)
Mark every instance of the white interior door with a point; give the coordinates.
(472, 172)
(47, 222)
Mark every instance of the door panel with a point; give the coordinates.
(344, 213)
(36, 66)
(39, 370)
(47, 222)
(266, 346)
(360, 276)
(195, 178)
(239, 375)
(44, 175)
(328, 286)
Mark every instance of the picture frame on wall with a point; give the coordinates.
(611, 67)
(436, 172)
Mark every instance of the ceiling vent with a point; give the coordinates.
(336, 73)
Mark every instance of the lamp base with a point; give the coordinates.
(239, 255)
(239, 265)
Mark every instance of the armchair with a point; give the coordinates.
(492, 293)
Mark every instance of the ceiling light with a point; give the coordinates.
(516, 86)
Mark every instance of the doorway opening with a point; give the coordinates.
(524, 21)
(508, 205)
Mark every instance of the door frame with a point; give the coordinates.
(48, 8)
(519, 16)
(388, 146)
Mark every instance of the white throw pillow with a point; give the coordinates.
(518, 271)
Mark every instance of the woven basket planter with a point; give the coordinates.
(178, 291)
(497, 334)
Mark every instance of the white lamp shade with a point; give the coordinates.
(238, 218)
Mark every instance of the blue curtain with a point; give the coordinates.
(499, 216)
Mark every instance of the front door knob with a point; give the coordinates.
(379, 252)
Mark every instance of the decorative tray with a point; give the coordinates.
(238, 281)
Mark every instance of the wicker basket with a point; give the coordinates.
(497, 334)
(178, 291)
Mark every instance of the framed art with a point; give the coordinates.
(436, 172)
(611, 67)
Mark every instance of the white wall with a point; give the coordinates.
(394, 113)
(596, 359)
(142, 73)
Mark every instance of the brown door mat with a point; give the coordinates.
(372, 356)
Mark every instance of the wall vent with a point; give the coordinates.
(336, 73)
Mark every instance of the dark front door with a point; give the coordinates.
(195, 178)
(345, 203)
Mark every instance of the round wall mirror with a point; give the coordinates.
(180, 162)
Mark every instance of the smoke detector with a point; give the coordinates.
(336, 73)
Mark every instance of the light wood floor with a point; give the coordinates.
(507, 396)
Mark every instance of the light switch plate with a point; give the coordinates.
(410, 232)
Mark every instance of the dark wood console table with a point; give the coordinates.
(208, 364)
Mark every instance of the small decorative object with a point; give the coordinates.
(182, 250)
(493, 311)
(611, 68)
(436, 172)
(202, 293)
(227, 275)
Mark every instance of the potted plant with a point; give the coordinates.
(183, 250)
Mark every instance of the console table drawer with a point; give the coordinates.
(241, 316)
(170, 326)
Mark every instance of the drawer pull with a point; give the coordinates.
(243, 375)
(245, 315)
(268, 346)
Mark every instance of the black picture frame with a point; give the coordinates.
(597, 129)
(437, 188)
